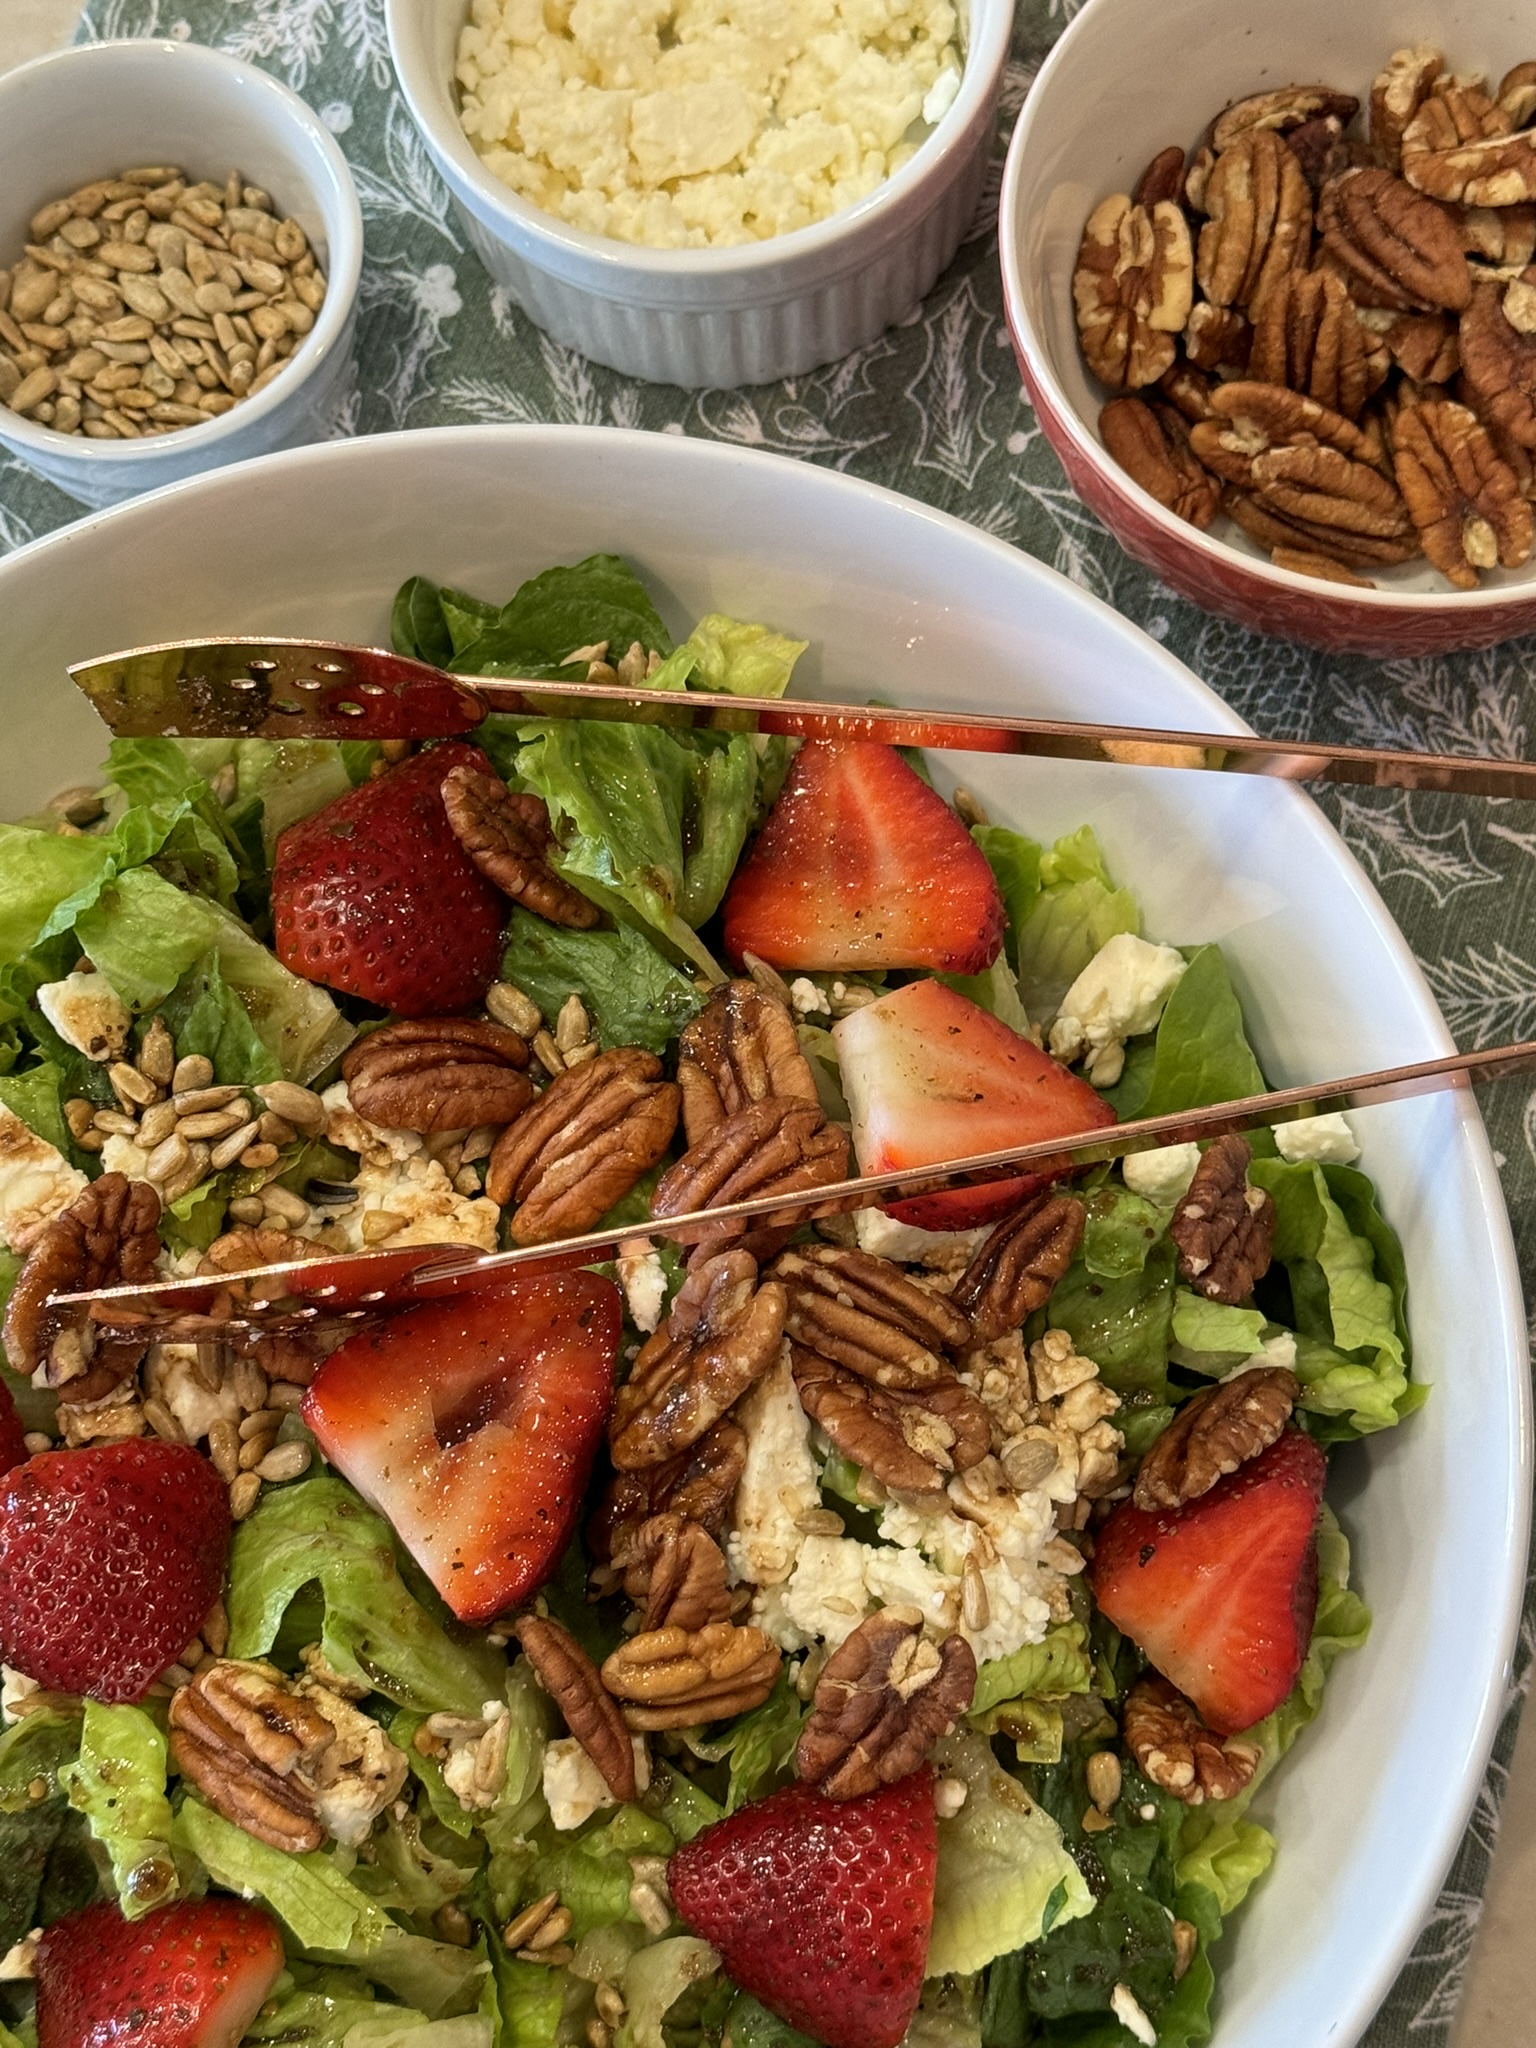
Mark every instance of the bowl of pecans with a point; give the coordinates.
(180, 243)
(1278, 316)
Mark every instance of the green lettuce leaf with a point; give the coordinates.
(1199, 1053)
(633, 993)
(1351, 1354)
(319, 1905)
(144, 935)
(1002, 1864)
(536, 632)
(35, 1750)
(750, 2025)
(1076, 909)
(37, 1097)
(590, 1867)
(759, 1744)
(39, 871)
(995, 989)
(655, 1980)
(1015, 862)
(1056, 1665)
(1210, 1337)
(371, 1629)
(416, 623)
(118, 1783)
(732, 657)
(1123, 1324)
(1120, 1231)
(204, 1015)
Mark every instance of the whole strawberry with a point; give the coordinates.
(110, 1559)
(375, 896)
(191, 1975)
(821, 1908)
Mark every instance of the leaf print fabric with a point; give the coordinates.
(934, 408)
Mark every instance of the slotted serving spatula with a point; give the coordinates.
(326, 689)
(351, 1286)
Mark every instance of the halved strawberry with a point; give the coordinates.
(110, 1558)
(472, 1423)
(860, 864)
(821, 1908)
(929, 1075)
(375, 896)
(190, 1975)
(1221, 1593)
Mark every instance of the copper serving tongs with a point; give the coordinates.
(357, 1285)
(276, 688)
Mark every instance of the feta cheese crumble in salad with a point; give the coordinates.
(868, 1633)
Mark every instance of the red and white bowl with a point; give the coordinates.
(1124, 81)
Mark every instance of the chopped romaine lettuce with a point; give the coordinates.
(1210, 1337)
(371, 1628)
(309, 1893)
(1002, 1863)
(552, 615)
(633, 993)
(1124, 1324)
(1199, 1053)
(118, 1783)
(1056, 1665)
(1015, 861)
(1120, 1231)
(656, 1978)
(37, 1097)
(1074, 911)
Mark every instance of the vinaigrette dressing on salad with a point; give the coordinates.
(793, 1641)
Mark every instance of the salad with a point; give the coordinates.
(867, 1633)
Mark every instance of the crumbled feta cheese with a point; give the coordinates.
(361, 1772)
(1119, 995)
(806, 999)
(905, 1578)
(698, 123)
(1277, 1350)
(88, 1013)
(1122, 2003)
(172, 1377)
(945, 1251)
(37, 1183)
(121, 1155)
(826, 1595)
(398, 1175)
(1326, 1140)
(575, 1788)
(1163, 1174)
(779, 1481)
(644, 1281)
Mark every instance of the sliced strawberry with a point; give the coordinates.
(821, 1908)
(472, 1424)
(13, 1435)
(929, 1075)
(860, 864)
(110, 1558)
(1221, 1593)
(375, 896)
(190, 1975)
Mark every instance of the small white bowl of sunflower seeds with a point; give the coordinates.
(180, 243)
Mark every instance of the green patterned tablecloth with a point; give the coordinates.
(934, 409)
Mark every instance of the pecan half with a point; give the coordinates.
(912, 1443)
(1305, 462)
(1216, 338)
(438, 1074)
(1248, 418)
(1175, 1751)
(699, 1484)
(243, 1250)
(1459, 146)
(1304, 563)
(1259, 220)
(1272, 529)
(508, 838)
(1151, 444)
(1499, 360)
(677, 1678)
(1394, 247)
(1322, 150)
(1016, 1268)
(1423, 345)
(864, 1314)
(674, 1571)
(1215, 1433)
(1132, 288)
(1162, 179)
(1463, 498)
(1308, 335)
(249, 1745)
(777, 1146)
(1499, 240)
(723, 1332)
(1399, 90)
(1188, 389)
(583, 1144)
(1517, 94)
(1224, 1229)
(740, 1049)
(573, 1682)
(884, 1699)
(107, 1237)
(1283, 108)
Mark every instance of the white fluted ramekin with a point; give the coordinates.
(713, 317)
(90, 111)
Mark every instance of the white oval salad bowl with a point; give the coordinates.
(907, 604)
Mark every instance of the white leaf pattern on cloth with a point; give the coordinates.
(935, 408)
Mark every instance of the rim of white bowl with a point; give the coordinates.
(1452, 603)
(1401, 1917)
(344, 232)
(991, 26)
